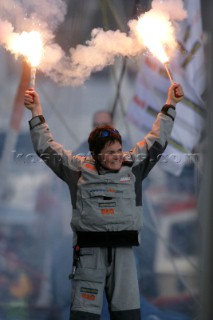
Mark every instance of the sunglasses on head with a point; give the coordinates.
(106, 133)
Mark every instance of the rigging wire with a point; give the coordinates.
(56, 111)
(118, 82)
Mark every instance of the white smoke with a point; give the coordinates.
(25, 14)
(174, 8)
(98, 52)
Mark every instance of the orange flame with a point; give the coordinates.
(156, 32)
(28, 44)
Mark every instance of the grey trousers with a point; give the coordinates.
(112, 270)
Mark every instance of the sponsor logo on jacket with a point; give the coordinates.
(125, 179)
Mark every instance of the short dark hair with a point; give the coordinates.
(100, 136)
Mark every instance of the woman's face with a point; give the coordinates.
(111, 156)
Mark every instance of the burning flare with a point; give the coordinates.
(28, 44)
(155, 31)
(157, 34)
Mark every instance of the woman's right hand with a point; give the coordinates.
(32, 102)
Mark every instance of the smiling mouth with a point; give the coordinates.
(116, 163)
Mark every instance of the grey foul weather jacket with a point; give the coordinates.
(107, 206)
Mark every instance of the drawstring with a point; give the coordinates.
(76, 258)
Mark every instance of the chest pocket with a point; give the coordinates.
(107, 206)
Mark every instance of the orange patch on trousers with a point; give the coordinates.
(88, 296)
(108, 211)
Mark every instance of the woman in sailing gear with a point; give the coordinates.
(106, 195)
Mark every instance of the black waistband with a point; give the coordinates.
(107, 239)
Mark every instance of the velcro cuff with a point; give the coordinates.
(169, 110)
(36, 121)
